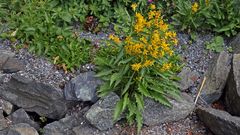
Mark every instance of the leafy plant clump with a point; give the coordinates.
(216, 45)
(45, 30)
(143, 64)
(221, 16)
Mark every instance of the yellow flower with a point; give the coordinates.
(166, 66)
(195, 7)
(134, 6)
(136, 66)
(144, 40)
(207, 2)
(111, 36)
(114, 38)
(175, 41)
(152, 6)
(148, 63)
(151, 14)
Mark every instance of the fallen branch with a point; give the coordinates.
(199, 92)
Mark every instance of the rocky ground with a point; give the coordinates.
(40, 72)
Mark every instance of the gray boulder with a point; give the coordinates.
(12, 65)
(219, 122)
(216, 77)
(82, 88)
(33, 96)
(232, 96)
(4, 56)
(100, 114)
(22, 129)
(20, 116)
(188, 78)
(155, 113)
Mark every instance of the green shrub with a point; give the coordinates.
(221, 16)
(141, 65)
(45, 29)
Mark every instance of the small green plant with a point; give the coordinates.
(216, 45)
(141, 65)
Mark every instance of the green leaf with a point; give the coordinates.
(127, 85)
(139, 120)
(143, 90)
(104, 73)
(125, 101)
(66, 16)
(160, 98)
(115, 77)
(139, 100)
(120, 55)
(118, 110)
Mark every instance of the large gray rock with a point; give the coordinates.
(82, 88)
(235, 44)
(20, 116)
(188, 78)
(34, 97)
(216, 77)
(232, 96)
(4, 56)
(155, 113)
(219, 122)
(22, 129)
(100, 114)
(12, 65)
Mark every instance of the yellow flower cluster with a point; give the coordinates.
(195, 7)
(166, 66)
(134, 6)
(115, 39)
(152, 41)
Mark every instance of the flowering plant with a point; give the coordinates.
(142, 64)
(190, 15)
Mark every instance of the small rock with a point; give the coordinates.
(100, 114)
(219, 122)
(33, 96)
(87, 129)
(232, 96)
(63, 126)
(7, 106)
(155, 113)
(12, 65)
(5, 55)
(20, 116)
(22, 129)
(82, 88)
(235, 44)
(3, 121)
(216, 77)
(188, 78)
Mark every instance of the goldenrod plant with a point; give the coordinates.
(140, 65)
